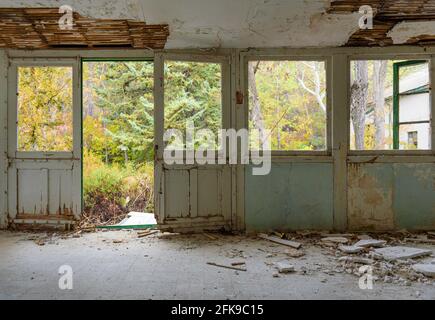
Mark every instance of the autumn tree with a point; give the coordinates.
(359, 97)
(379, 77)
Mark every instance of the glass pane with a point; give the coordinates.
(371, 109)
(414, 107)
(193, 96)
(287, 103)
(412, 77)
(414, 136)
(45, 106)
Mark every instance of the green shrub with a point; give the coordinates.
(110, 190)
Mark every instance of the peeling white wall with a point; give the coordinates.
(225, 23)
(409, 29)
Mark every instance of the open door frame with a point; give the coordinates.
(189, 176)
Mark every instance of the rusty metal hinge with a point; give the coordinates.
(239, 97)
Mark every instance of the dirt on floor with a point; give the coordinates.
(144, 264)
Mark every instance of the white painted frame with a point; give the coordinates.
(13, 153)
(271, 55)
(397, 56)
(34, 58)
(340, 125)
(224, 58)
(15, 156)
(3, 141)
(160, 59)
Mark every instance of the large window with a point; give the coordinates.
(45, 108)
(389, 105)
(287, 105)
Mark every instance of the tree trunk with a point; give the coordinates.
(379, 76)
(256, 114)
(359, 95)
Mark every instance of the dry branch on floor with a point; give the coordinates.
(289, 243)
(225, 266)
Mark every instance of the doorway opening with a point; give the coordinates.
(117, 139)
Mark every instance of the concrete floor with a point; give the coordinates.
(119, 265)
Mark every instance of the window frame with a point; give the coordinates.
(159, 96)
(430, 58)
(260, 56)
(16, 63)
(396, 99)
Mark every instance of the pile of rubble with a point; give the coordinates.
(392, 258)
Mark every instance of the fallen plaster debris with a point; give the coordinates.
(227, 267)
(335, 239)
(289, 243)
(360, 260)
(294, 253)
(395, 253)
(284, 267)
(426, 269)
(370, 243)
(350, 249)
(417, 240)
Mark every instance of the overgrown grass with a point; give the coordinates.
(110, 191)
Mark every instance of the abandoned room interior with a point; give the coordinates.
(250, 149)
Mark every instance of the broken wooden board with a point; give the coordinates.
(146, 234)
(211, 237)
(284, 242)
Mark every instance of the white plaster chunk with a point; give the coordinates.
(370, 243)
(350, 249)
(405, 30)
(395, 253)
(426, 269)
(284, 267)
(335, 239)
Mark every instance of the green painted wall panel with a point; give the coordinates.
(414, 196)
(387, 196)
(293, 196)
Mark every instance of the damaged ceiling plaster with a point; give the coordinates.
(224, 23)
(404, 32)
(254, 23)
